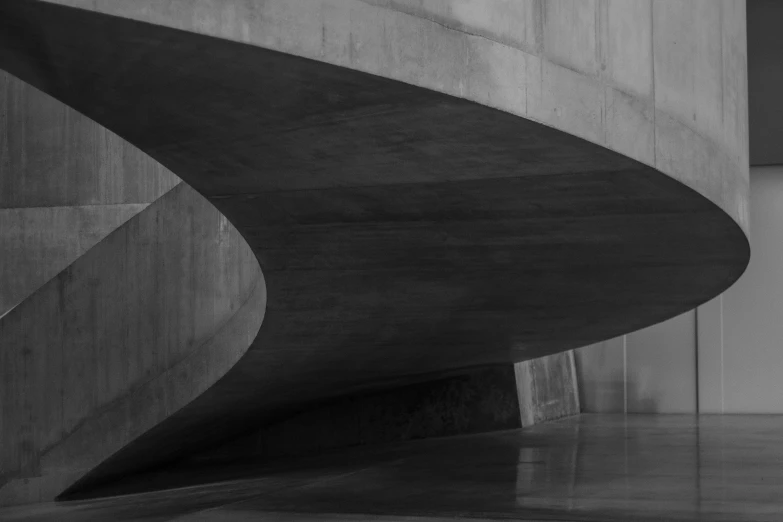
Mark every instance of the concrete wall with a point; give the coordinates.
(103, 337)
(65, 183)
(129, 333)
(724, 357)
(38, 243)
(741, 340)
(652, 370)
(663, 82)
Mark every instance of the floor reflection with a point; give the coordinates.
(592, 467)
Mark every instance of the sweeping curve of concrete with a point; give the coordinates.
(425, 189)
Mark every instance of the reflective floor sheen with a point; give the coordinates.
(592, 467)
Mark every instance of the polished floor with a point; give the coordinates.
(586, 468)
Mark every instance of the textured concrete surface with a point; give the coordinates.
(53, 156)
(663, 82)
(65, 183)
(403, 229)
(37, 243)
(590, 468)
(128, 334)
(547, 388)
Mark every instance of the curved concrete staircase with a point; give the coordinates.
(152, 295)
(427, 187)
(65, 183)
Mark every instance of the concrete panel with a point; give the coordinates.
(688, 60)
(627, 46)
(700, 120)
(65, 183)
(710, 355)
(53, 156)
(37, 243)
(580, 51)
